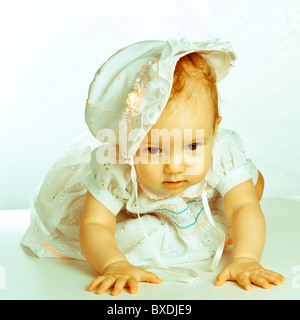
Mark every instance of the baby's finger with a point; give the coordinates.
(132, 284)
(222, 277)
(119, 285)
(150, 277)
(95, 283)
(245, 283)
(275, 278)
(260, 281)
(106, 284)
(278, 275)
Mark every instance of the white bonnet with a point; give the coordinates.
(135, 83)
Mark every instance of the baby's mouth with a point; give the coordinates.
(174, 184)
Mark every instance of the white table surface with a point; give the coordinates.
(23, 276)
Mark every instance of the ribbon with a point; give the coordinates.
(221, 234)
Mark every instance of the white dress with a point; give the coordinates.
(177, 226)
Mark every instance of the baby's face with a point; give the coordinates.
(184, 161)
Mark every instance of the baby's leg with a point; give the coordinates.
(259, 187)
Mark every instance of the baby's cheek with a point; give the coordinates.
(198, 167)
(148, 173)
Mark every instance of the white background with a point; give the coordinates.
(50, 51)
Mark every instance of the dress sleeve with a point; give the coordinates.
(229, 164)
(109, 183)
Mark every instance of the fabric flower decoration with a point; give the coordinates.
(132, 101)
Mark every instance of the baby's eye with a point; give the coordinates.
(153, 150)
(193, 146)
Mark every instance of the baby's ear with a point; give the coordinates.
(218, 121)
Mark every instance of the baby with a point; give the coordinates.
(168, 187)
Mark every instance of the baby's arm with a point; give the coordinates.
(243, 211)
(99, 246)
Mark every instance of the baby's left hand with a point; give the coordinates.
(246, 271)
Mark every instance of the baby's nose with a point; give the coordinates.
(174, 166)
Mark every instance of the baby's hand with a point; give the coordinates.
(122, 274)
(246, 271)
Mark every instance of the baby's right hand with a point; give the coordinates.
(120, 275)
